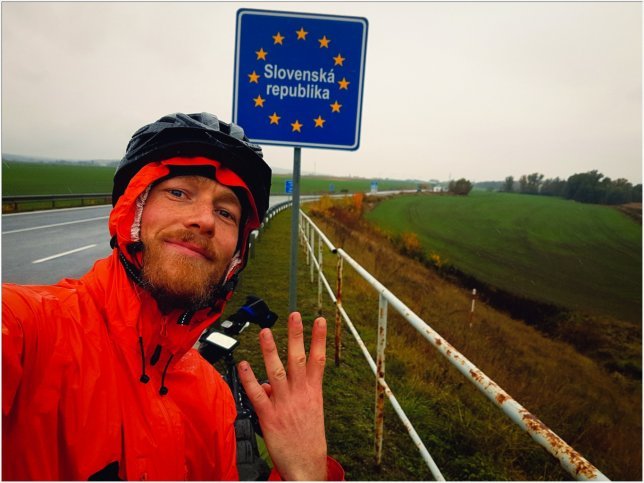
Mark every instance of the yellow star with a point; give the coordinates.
(254, 77)
(261, 54)
(335, 107)
(324, 42)
(301, 34)
(338, 60)
(319, 122)
(344, 84)
(259, 102)
(278, 38)
(297, 126)
(275, 119)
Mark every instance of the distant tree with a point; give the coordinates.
(553, 187)
(584, 187)
(534, 182)
(460, 187)
(617, 192)
(593, 187)
(508, 185)
(531, 183)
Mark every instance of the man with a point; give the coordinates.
(100, 380)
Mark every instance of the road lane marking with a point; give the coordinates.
(54, 225)
(57, 210)
(63, 254)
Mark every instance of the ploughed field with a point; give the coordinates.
(583, 257)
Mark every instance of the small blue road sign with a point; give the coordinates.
(288, 186)
(299, 78)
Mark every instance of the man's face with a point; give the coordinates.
(189, 230)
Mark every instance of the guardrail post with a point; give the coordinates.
(380, 376)
(320, 274)
(308, 240)
(313, 251)
(338, 316)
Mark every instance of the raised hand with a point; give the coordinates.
(290, 408)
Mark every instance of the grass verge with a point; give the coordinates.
(597, 413)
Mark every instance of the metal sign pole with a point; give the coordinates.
(295, 218)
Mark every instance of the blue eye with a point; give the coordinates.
(176, 192)
(227, 215)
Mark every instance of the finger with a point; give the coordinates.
(317, 354)
(257, 395)
(296, 364)
(274, 368)
(267, 389)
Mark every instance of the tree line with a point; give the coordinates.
(590, 187)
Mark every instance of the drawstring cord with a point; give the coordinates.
(184, 319)
(155, 356)
(144, 377)
(131, 270)
(163, 390)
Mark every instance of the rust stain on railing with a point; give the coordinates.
(338, 316)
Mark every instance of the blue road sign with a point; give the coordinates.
(288, 186)
(299, 78)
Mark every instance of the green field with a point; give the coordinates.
(580, 256)
(322, 184)
(51, 178)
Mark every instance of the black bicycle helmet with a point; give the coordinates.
(201, 134)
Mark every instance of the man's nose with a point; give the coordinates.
(201, 217)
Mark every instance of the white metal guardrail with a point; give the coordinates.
(270, 213)
(570, 459)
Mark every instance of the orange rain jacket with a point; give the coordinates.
(72, 359)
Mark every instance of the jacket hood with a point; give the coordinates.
(165, 337)
(123, 215)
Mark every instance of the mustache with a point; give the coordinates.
(187, 236)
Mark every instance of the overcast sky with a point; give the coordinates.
(476, 90)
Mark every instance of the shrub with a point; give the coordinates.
(460, 187)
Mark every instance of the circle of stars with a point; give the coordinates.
(343, 84)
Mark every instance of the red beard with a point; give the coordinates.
(179, 280)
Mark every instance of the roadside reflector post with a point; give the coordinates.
(338, 315)
(379, 419)
(473, 305)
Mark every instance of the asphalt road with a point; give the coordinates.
(45, 246)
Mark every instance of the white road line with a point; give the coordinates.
(57, 210)
(55, 224)
(64, 253)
